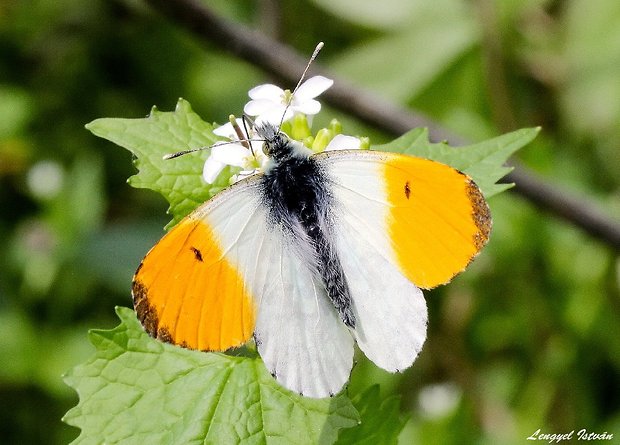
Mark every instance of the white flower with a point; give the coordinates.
(344, 142)
(233, 153)
(269, 102)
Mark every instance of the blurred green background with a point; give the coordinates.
(528, 338)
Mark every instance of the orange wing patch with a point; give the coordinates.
(438, 220)
(187, 293)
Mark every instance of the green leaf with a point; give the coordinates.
(483, 161)
(137, 390)
(381, 421)
(179, 180)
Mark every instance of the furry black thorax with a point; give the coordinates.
(295, 189)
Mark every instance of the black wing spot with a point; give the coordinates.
(197, 253)
(407, 190)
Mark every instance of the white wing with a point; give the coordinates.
(299, 335)
(390, 311)
(391, 314)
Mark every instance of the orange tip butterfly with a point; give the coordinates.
(316, 253)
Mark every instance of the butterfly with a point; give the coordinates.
(317, 253)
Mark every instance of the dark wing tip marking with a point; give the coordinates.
(147, 315)
(144, 310)
(480, 214)
(163, 334)
(197, 253)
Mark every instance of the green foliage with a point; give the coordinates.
(381, 421)
(446, 23)
(161, 133)
(138, 390)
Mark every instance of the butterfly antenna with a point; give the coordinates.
(301, 79)
(241, 138)
(193, 150)
(184, 152)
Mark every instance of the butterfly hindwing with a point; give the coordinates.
(299, 334)
(390, 311)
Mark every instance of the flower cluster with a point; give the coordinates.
(271, 104)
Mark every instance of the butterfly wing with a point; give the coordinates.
(299, 334)
(226, 272)
(426, 218)
(401, 223)
(189, 290)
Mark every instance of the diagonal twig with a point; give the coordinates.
(285, 64)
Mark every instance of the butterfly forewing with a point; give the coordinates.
(427, 218)
(188, 289)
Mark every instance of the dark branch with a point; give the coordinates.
(285, 64)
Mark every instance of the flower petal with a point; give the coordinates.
(260, 106)
(244, 174)
(211, 170)
(274, 116)
(343, 142)
(307, 107)
(231, 154)
(267, 91)
(312, 87)
(228, 131)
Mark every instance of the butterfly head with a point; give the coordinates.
(277, 145)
